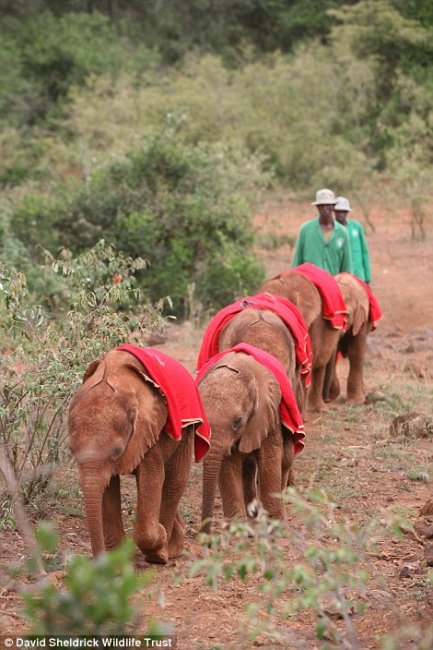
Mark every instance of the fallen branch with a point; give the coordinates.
(21, 518)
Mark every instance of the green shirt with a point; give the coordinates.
(359, 250)
(332, 254)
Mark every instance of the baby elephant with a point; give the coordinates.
(256, 431)
(136, 412)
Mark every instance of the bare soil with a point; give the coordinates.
(349, 454)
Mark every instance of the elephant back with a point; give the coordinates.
(264, 330)
(299, 290)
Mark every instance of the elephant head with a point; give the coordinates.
(356, 302)
(241, 398)
(114, 419)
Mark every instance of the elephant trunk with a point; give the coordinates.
(93, 483)
(211, 470)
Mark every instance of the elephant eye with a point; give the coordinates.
(116, 452)
(237, 422)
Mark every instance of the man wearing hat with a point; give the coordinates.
(358, 244)
(322, 240)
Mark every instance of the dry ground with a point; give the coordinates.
(348, 453)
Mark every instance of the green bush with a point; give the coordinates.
(183, 208)
(44, 357)
(324, 578)
(47, 54)
(97, 594)
(270, 106)
(329, 113)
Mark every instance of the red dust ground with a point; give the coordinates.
(348, 453)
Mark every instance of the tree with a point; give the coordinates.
(393, 45)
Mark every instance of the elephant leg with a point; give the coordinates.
(150, 536)
(230, 485)
(291, 477)
(287, 471)
(249, 483)
(112, 514)
(324, 342)
(331, 385)
(334, 389)
(176, 542)
(301, 392)
(355, 379)
(270, 463)
(177, 470)
(315, 399)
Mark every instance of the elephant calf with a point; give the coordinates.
(363, 314)
(256, 430)
(120, 422)
(267, 322)
(295, 286)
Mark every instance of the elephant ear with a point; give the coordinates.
(146, 412)
(265, 416)
(94, 372)
(359, 319)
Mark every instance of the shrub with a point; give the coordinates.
(184, 208)
(47, 54)
(270, 106)
(96, 598)
(324, 578)
(44, 357)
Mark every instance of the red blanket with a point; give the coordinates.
(183, 399)
(375, 312)
(333, 306)
(283, 308)
(290, 416)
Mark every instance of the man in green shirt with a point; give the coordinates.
(322, 240)
(358, 243)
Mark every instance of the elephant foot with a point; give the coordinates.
(277, 513)
(334, 390)
(157, 557)
(290, 478)
(112, 543)
(357, 398)
(315, 401)
(176, 541)
(316, 407)
(153, 547)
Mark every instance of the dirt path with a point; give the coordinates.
(349, 454)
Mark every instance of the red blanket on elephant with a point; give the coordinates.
(290, 415)
(375, 312)
(180, 390)
(333, 305)
(283, 308)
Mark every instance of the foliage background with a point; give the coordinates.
(158, 126)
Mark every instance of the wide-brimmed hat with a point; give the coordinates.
(342, 204)
(324, 197)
